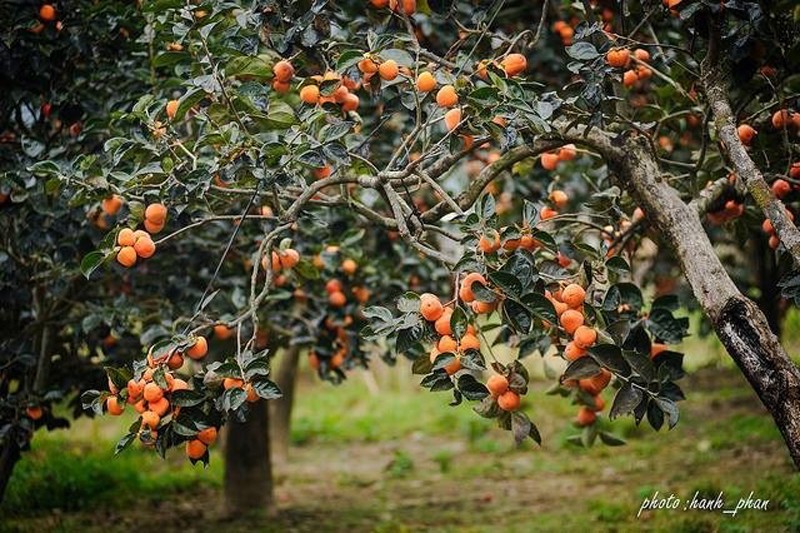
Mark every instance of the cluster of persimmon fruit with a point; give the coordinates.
(138, 244)
(730, 210)
(133, 245)
(565, 30)
(109, 207)
(407, 7)
(551, 159)
(47, 14)
(767, 227)
(281, 259)
(636, 64)
(343, 88)
(340, 343)
(782, 119)
(334, 287)
(568, 303)
(153, 402)
(499, 387)
(440, 315)
(432, 310)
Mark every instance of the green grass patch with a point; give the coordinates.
(69, 475)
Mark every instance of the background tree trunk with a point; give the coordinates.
(281, 409)
(766, 274)
(248, 473)
(9, 455)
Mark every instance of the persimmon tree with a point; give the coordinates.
(446, 182)
(52, 119)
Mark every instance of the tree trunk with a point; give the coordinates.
(767, 272)
(248, 473)
(9, 455)
(740, 325)
(281, 409)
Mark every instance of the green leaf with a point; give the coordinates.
(670, 409)
(312, 158)
(611, 440)
(347, 59)
(442, 360)
(517, 316)
(250, 67)
(232, 399)
(669, 302)
(402, 57)
(582, 51)
(124, 442)
(641, 364)
(623, 293)
(482, 292)
(422, 365)
(408, 303)
(618, 263)
(471, 388)
(118, 376)
(484, 96)
(540, 306)
(663, 325)
(655, 416)
(488, 408)
(626, 399)
(507, 282)
(610, 356)
(588, 435)
(187, 101)
(520, 426)
(307, 270)
(91, 262)
(187, 398)
(534, 434)
(267, 389)
(581, 368)
(92, 400)
(458, 322)
(473, 360)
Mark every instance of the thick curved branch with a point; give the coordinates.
(600, 141)
(740, 325)
(397, 209)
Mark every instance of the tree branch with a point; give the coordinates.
(715, 80)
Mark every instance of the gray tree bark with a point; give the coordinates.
(281, 409)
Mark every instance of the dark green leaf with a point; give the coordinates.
(520, 426)
(581, 368)
(610, 356)
(507, 282)
(627, 398)
(90, 262)
(267, 389)
(187, 398)
(611, 440)
(471, 388)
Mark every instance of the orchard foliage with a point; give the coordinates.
(51, 118)
(411, 179)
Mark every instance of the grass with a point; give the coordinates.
(73, 471)
(379, 454)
